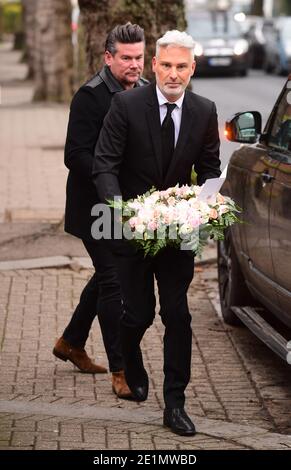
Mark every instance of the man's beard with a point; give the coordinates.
(129, 77)
(174, 91)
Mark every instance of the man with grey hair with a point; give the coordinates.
(178, 130)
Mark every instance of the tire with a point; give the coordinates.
(232, 287)
(243, 72)
(268, 68)
(278, 67)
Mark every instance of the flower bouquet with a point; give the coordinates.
(175, 217)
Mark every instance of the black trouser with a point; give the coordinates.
(173, 270)
(101, 296)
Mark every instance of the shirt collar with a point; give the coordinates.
(112, 83)
(163, 100)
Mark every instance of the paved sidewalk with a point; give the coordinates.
(32, 136)
(48, 404)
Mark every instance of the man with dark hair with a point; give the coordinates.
(124, 59)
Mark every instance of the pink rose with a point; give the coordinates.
(220, 199)
(213, 214)
(152, 225)
(171, 201)
(132, 222)
(223, 210)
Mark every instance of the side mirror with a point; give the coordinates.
(244, 127)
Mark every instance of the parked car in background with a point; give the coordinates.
(254, 260)
(278, 49)
(220, 44)
(260, 33)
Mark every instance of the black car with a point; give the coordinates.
(278, 49)
(220, 43)
(254, 260)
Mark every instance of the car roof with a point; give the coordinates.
(195, 18)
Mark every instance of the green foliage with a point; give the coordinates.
(11, 17)
(285, 7)
(193, 177)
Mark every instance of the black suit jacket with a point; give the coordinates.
(128, 159)
(88, 108)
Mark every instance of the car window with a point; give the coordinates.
(269, 31)
(286, 29)
(280, 132)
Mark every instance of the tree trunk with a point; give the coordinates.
(54, 51)
(257, 8)
(170, 15)
(144, 13)
(1, 21)
(96, 21)
(29, 8)
(155, 16)
(286, 7)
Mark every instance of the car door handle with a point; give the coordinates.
(267, 178)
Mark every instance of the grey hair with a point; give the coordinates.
(176, 38)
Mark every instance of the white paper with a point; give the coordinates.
(210, 188)
(223, 174)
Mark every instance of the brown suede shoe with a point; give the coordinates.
(78, 356)
(119, 385)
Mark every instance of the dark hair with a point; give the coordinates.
(126, 34)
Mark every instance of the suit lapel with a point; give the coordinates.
(154, 123)
(185, 129)
(190, 115)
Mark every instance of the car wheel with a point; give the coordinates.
(280, 70)
(243, 72)
(232, 287)
(268, 68)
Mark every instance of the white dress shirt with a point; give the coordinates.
(176, 114)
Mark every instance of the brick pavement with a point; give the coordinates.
(32, 136)
(46, 403)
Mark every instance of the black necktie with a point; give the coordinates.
(168, 138)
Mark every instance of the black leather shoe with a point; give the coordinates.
(179, 422)
(137, 377)
(139, 391)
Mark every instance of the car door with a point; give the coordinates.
(280, 207)
(261, 174)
